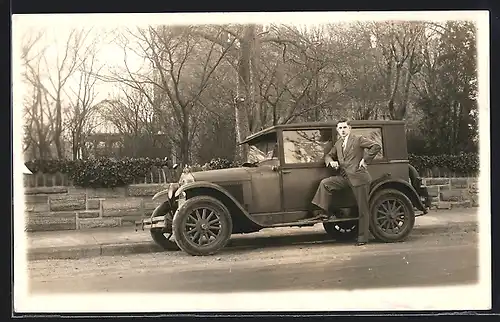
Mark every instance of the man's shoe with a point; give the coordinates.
(320, 216)
(330, 217)
(360, 243)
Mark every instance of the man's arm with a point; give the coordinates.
(372, 148)
(330, 153)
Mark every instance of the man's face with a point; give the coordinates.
(343, 129)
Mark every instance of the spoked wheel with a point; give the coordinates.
(392, 216)
(342, 231)
(202, 226)
(163, 236)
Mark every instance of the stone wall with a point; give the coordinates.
(452, 192)
(66, 208)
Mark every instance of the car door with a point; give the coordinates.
(303, 166)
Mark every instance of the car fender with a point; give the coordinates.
(398, 184)
(166, 194)
(200, 185)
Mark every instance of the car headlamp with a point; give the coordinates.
(186, 178)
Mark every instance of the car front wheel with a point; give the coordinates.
(163, 236)
(392, 216)
(163, 239)
(202, 226)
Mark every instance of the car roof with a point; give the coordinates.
(315, 125)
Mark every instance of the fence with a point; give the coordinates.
(156, 175)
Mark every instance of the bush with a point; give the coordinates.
(101, 172)
(464, 164)
(108, 173)
(214, 164)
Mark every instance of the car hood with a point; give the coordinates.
(223, 175)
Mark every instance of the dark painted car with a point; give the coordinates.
(274, 188)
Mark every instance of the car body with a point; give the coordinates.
(274, 188)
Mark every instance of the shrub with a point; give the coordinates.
(108, 172)
(464, 164)
(101, 172)
(214, 164)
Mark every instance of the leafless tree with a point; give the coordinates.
(48, 80)
(245, 49)
(400, 45)
(36, 105)
(82, 108)
(183, 65)
(135, 119)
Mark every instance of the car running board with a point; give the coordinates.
(312, 221)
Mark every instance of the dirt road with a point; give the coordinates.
(300, 263)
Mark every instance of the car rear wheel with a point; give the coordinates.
(202, 226)
(342, 231)
(392, 216)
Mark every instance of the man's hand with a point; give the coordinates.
(334, 164)
(362, 164)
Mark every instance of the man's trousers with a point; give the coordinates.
(326, 191)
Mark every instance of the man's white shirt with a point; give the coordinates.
(345, 142)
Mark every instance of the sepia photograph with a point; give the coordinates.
(251, 162)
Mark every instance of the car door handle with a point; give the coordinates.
(286, 171)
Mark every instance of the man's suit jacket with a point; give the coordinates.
(350, 157)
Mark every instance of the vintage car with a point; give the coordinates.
(274, 188)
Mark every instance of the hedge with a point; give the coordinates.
(214, 164)
(101, 172)
(105, 172)
(464, 164)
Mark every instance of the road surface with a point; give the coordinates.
(273, 263)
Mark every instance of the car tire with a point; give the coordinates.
(387, 208)
(202, 217)
(342, 231)
(163, 241)
(158, 234)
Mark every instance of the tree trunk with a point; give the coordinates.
(391, 104)
(185, 140)
(244, 105)
(74, 145)
(58, 127)
(401, 111)
(241, 129)
(255, 80)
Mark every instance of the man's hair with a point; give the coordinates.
(344, 120)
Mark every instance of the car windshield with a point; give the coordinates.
(262, 151)
(263, 148)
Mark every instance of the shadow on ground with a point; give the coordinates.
(252, 242)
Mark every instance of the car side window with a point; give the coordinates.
(374, 134)
(304, 146)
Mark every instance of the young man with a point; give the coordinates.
(348, 155)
